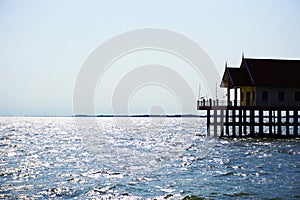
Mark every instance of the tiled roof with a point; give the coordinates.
(263, 72)
(239, 76)
(270, 72)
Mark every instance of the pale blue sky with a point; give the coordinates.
(43, 44)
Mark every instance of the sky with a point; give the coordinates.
(44, 44)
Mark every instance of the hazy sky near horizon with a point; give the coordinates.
(43, 44)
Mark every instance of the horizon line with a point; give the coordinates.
(111, 115)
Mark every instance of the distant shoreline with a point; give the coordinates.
(125, 116)
(146, 115)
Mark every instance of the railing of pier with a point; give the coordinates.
(218, 102)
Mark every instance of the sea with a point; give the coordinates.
(140, 158)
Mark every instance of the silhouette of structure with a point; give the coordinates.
(265, 100)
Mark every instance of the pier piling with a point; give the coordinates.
(251, 121)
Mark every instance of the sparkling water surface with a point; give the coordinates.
(140, 158)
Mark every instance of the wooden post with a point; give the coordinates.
(252, 122)
(240, 123)
(287, 121)
(233, 122)
(270, 122)
(296, 123)
(261, 121)
(215, 123)
(279, 121)
(208, 122)
(226, 122)
(222, 122)
(228, 96)
(245, 121)
(235, 96)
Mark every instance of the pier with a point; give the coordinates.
(263, 100)
(250, 121)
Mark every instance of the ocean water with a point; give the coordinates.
(140, 158)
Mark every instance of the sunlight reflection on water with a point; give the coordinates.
(155, 158)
